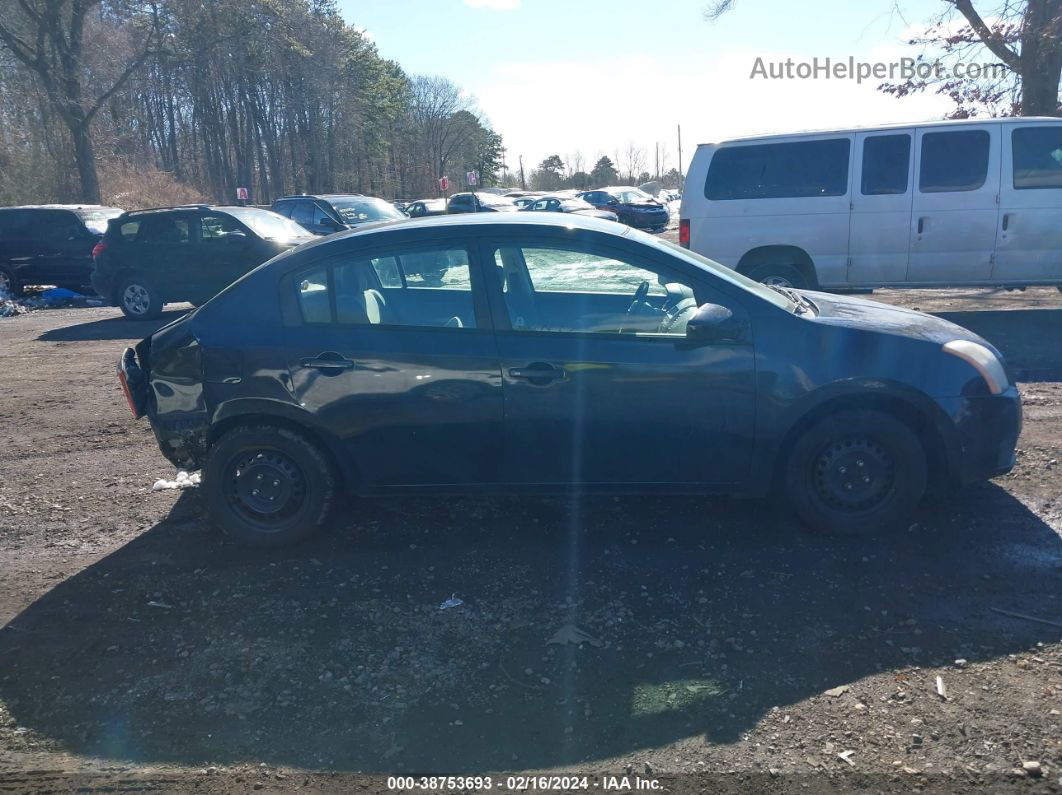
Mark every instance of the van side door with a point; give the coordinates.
(880, 229)
(954, 209)
(1029, 236)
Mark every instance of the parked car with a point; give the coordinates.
(633, 207)
(423, 207)
(331, 213)
(479, 203)
(519, 194)
(953, 203)
(50, 244)
(559, 352)
(566, 204)
(149, 258)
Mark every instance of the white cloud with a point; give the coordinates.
(494, 5)
(598, 106)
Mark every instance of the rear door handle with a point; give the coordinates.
(921, 225)
(539, 371)
(328, 361)
(1006, 221)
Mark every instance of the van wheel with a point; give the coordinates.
(267, 486)
(779, 275)
(9, 284)
(856, 472)
(139, 299)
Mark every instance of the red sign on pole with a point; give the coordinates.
(241, 194)
(444, 183)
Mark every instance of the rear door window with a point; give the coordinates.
(886, 164)
(799, 169)
(1037, 156)
(163, 228)
(953, 161)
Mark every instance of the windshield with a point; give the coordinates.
(631, 196)
(96, 220)
(716, 269)
(495, 201)
(360, 211)
(268, 224)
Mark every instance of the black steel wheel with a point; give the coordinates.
(856, 472)
(268, 486)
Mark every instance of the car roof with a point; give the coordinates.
(481, 220)
(890, 126)
(62, 207)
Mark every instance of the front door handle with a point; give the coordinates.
(537, 372)
(328, 361)
(1006, 221)
(921, 225)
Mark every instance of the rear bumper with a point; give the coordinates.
(986, 434)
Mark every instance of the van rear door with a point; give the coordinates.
(880, 229)
(1029, 242)
(953, 219)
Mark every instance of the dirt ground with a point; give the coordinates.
(730, 651)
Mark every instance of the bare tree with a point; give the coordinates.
(48, 38)
(634, 161)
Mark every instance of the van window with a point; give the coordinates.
(1037, 157)
(886, 163)
(953, 161)
(801, 169)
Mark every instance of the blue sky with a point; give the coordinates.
(596, 76)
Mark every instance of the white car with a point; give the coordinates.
(937, 204)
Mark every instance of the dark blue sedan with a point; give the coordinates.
(558, 352)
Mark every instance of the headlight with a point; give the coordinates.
(983, 360)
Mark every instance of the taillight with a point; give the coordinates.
(97, 249)
(684, 232)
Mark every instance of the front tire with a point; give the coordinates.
(267, 486)
(856, 472)
(139, 299)
(780, 275)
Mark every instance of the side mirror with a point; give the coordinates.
(330, 223)
(235, 238)
(712, 323)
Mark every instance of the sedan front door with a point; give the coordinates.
(602, 386)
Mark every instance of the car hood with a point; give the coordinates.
(861, 313)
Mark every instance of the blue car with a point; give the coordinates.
(634, 207)
(558, 352)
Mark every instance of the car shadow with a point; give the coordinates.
(700, 617)
(118, 327)
(1020, 336)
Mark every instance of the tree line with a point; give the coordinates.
(131, 102)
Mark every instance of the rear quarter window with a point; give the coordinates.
(792, 170)
(128, 230)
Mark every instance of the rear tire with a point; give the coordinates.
(267, 486)
(781, 275)
(138, 298)
(856, 472)
(9, 284)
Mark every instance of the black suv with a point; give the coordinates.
(334, 212)
(152, 257)
(50, 244)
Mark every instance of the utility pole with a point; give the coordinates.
(682, 177)
(523, 182)
(657, 177)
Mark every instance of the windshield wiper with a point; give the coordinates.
(800, 303)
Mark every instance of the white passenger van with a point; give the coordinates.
(971, 202)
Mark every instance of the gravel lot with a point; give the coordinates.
(731, 650)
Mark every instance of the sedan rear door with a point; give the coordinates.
(403, 369)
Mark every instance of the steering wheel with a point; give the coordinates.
(638, 306)
(639, 295)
